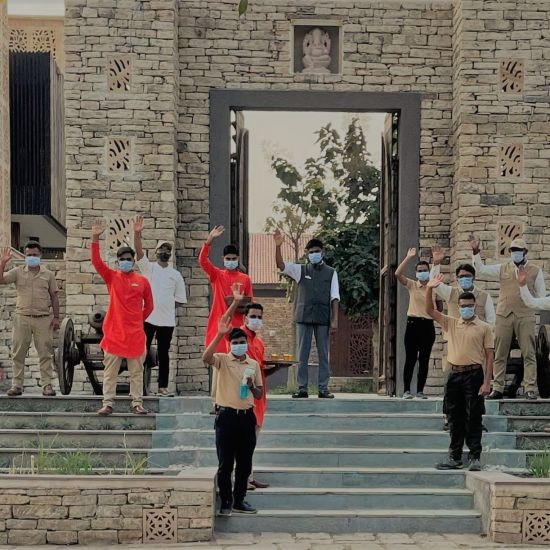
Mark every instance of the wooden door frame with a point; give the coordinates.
(407, 104)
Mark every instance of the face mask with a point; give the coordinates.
(517, 256)
(163, 256)
(239, 350)
(254, 324)
(465, 283)
(125, 265)
(315, 257)
(467, 312)
(423, 275)
(231, 264)
(32, 261)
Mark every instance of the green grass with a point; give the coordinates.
(539, 464)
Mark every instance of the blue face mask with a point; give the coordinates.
(254, 324)
(238, 350)
(517, 256)
(32, 261)
(423, 276)
(315, 257)
(231, 264)
(125, 265)
(467, 312)
(466, 283)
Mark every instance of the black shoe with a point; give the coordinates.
(495, 395)
(300, 394)
(446, 426)
(531, 395)
(484, 428)
(325, 394)
(225, 510)
(244, 508)
(450, 464)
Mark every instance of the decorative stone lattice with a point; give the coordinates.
(507, 232)
(536, 527)
(43, 40)
(160, 525)
(119, 233)
(511, 160)
(18, 40)
(119, 70)
(512, 76)
(119, 154)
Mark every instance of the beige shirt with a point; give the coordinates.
(230, 375)
(33, 289)
(417, 299)
(467, 340)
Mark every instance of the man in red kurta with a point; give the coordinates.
(131, 302)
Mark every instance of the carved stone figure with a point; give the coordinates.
(316, 49)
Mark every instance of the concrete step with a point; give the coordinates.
(69, 403)
(75, 421)
(94, 439)
(326, 477)
(527, 423)
(332, 439)
(343, 457)
(304, 498)
(350, 520)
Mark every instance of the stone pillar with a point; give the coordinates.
(5, 204)
(501, 117)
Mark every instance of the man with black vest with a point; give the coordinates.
(315, 310)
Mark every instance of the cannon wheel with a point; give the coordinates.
(67, 356)
(151, 361)
(543, 361)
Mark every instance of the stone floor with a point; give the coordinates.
(323, 541)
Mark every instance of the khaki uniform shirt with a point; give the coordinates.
(230, 375)
(417, 299)
(467, 340)
(33, 289)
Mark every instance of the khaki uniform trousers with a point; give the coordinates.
(524, 327)
(110, 376)
(39, 331)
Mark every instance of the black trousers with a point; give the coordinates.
(419, 340)
(235, 444)
(465, 409)
(164, 339)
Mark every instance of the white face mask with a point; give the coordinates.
(254, 324)
(517, 256)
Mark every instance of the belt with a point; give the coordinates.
(34, 316)
(236, 411)
(411, 318)
(465, 368)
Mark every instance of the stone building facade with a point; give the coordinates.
(138, 76)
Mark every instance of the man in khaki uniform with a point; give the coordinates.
(470, 348)
(36, 292)
(513, 316)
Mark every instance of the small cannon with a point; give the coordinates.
(75, 348)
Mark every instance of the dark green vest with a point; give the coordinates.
(312, 304)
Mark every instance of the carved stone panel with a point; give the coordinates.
(119, 154)
(120, 232)
(507, 232)
(511, 76)
(160, 525)
(511, 160)
(119, 71)
(536, 527)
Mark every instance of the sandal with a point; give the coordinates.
(105, 411)
(138, 409)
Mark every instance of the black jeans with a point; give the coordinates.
(235, 444)
(164, 339)
(419, 340)
(465, 412)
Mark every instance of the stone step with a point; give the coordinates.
(94, 439)
(326, 477)
(304, 498)
(353, 521)
(76, 421)
(524, 407)
(69, 403)
(538, 441)
(332, 439)
(527, 423)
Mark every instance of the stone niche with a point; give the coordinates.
(316, 47)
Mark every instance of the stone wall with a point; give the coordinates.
(5, 214)
(102, 510)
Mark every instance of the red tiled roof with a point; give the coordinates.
(261, 257)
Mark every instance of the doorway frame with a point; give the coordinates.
(407, 104)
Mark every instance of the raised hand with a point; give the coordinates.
(138, 224)
(435, 282)
(236, 288)
(278, 237)
(438, 254)
(5, 255)
(215, 233)
(411, 253)
(475, 243)
(98, 227)
(224, 326)
(522, 276)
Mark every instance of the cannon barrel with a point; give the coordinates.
(96, 319)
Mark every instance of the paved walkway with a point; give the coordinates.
(323, 541)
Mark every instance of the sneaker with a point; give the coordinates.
(421, 395)
(531, 395)
(48, 391)
(450, 464)
(14, 392)
(325, 394)
(244, 508)
(300, 394)
(495, 395)
(225, 510)
(474, 465)
(408, 395)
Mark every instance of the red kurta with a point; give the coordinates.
(131, 302)
(221, 281)
(256, 350)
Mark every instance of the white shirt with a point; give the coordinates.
(534, 303)
(493, 271)
(444, 292)
(168, 288)
(294, 271)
